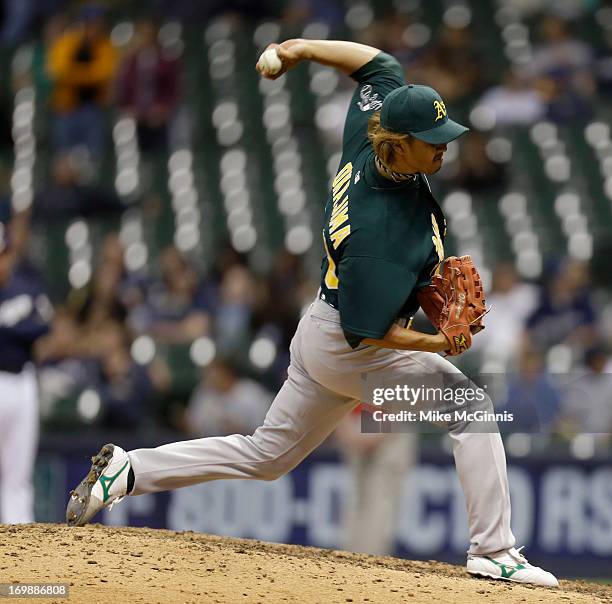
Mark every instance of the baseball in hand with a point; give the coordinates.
(269, 62)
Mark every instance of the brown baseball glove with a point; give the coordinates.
(455, 302)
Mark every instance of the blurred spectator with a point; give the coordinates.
(65, 196)
(563, 64)
(85, 356)
(226, 403)
(431, 70)
(281, 295)
(235, 309)
(177, 308)
(587, 401)
(90, 325)
(81, 65)
(149, 87)
(20, 231)
(389, 34)
(298, 13)
(565, 313)
(17, 15)
(124, 387)
(456, 47)
(378, 466)
(16, 20)
(511, 302)
(452, 65)
(130, 286)
(20, 18)
(559, 49)
(111, 252)
(476, 170)
(280, 298)
(61, 341)
(563, 104)
(514, 101)
(39, 73)
(99, 302)
(533, 399)
(603, 67)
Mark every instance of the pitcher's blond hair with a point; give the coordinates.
(384, 141)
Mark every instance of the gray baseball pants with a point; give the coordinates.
(323, 384)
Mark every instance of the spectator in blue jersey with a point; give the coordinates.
(177, 308)
(533, 399)
(565, 313)
(25, 312)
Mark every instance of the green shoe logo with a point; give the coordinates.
(107, 482)
(506, 571)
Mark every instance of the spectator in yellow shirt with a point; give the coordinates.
(81, 66)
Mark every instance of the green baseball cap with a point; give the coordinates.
(419, 111)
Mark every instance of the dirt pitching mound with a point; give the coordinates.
(112, 565)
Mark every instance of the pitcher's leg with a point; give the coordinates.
(479, 458)
(302, 415)
(481, 466)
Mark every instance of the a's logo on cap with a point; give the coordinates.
(440, 110)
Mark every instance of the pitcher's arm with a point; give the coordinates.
(400, 338)
(340, 54)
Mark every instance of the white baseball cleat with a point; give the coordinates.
(104, 485)
(510, 565)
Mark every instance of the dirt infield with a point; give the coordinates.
(108, 565)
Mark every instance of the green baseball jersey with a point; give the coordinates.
(382, 239)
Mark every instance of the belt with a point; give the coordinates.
(405, 322)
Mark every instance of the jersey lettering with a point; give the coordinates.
(339, 236)
(340, 207)
(339, 218)
(340, 192)
(342, 176)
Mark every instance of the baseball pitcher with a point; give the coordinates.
(383, 248)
